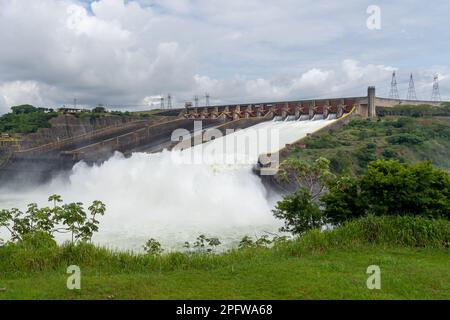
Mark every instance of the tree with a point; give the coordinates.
(68, 218)
(99, 109)
(313, 177)
(343, 202)
(24, 109)
(389, 187)
(299, 212)
(393, 188)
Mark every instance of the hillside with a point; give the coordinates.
(351, 147)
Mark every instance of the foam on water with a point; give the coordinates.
(167, 197)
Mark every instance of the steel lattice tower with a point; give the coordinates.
(207, 99)
(436, 96)
(169, 101)
(162, 102)
(196, 101)
(411, 90)
(393, 94)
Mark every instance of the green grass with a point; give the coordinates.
(337, 274)
(412, 253)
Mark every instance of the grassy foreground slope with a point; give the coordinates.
(412, 253)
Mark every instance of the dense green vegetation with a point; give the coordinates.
(407, 139)
(387, 188)
(412, 253)
(26, 119)
(416, 110)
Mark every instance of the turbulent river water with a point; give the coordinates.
(175, 196)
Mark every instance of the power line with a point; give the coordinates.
(436, 96)
(393, 94)
(411, 89)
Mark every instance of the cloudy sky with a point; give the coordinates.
(120, 52)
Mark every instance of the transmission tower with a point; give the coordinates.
(393, 94)
(436, 96)
(169, 101)
(162, 102)
(411, 90)
(207, 99)
(196, 101)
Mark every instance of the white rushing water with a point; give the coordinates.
(172, 196)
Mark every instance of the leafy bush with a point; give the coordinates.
(393, 188)
(324, 141)
(389, 153)
(68, 218)
(203, 244)
(390, 188)
(153, 247)
(340, 163)
(299, 212)
(343, 202)
(405, 138)
(366, 154)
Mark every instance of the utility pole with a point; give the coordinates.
(169, 101)
(196, 101)
(411, 90)
(393, 94)
(162, 102)
(436, 96)
(207, 99)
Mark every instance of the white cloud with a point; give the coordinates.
(120, 52)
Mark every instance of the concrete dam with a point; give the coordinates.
(153, 188)
(174, 196)
(153, 136)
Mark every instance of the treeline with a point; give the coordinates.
(416, 110)
(26, 119)
(387, 188)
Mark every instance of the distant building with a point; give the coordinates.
(72, 110)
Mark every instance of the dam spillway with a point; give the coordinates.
(168, 197)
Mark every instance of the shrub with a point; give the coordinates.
(299, 212)
(366, 154)
(68, 218)
(393, 188)
(343, 203)
(324, 141)
(405, 138)
(389, 187)
(153, 247)
(389, 153)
